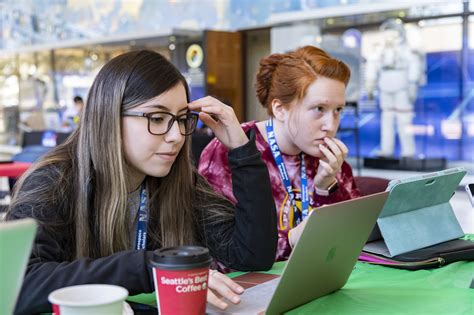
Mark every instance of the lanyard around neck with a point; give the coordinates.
(284, 176)
(142, 222)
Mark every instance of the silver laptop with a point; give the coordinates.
(16, 240)
(320, 263)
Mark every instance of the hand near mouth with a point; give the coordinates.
(335, 152)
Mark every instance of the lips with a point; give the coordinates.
(167, 155)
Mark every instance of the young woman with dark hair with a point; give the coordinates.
(133, 142)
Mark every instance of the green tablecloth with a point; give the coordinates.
(382, 290)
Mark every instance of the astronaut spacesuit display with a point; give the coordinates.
(397, 71)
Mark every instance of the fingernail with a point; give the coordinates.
(223, 305)
(240, 289)
(236, 299)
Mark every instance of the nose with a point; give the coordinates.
(330, 122)
(174, 134)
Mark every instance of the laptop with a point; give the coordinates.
(16, 240)
(320, 263)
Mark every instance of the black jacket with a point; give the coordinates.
(250, 245)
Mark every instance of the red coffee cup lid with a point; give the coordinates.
(181, 258)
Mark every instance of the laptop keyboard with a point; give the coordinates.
(253, 300)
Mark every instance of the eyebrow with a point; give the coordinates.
(163, 107)
(325, 105)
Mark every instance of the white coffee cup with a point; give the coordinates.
(88, 299)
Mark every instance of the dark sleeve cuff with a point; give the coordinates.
(149, 267)
(242, 154)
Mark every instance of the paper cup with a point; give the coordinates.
(88, 299)
(181, 276)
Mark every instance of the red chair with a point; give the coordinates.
(13, 169)
(371, 185)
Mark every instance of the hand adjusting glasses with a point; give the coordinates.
(160, 123)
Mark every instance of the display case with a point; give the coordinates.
(443, 124)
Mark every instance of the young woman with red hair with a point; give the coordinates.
(304, 94)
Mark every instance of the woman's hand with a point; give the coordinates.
(334, 153)
(221, 119)
(220, 287)
(295, 233)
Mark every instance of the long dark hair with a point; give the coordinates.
(91, 171)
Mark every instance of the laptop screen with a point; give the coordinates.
(16, 240)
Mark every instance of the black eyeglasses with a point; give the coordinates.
(160, 123)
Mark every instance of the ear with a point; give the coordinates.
(279, 111)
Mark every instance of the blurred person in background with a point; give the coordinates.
(72, 114)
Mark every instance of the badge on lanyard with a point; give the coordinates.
(142, 222)
(298, 217)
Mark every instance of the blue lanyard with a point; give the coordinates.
(284, 176)
(142, 223)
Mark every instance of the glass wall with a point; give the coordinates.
(37, 88)
(437, 125)
(47, 80)
(443, 124)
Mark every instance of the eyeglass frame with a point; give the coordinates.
(170, 125)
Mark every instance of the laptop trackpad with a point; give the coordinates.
(256, 297)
